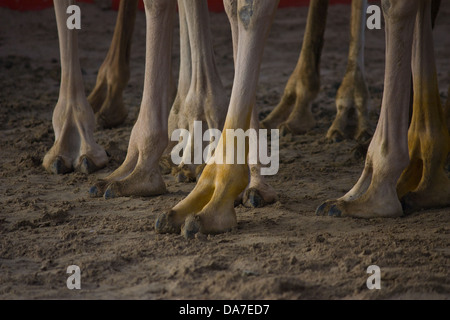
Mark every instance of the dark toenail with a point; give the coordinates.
(109, 194)
(160, 222)
(191, 228)
(85, 165)
(320, 211)
(164, 225)
(334, 211)
(93, 191)
(58, 166)
(255, 199)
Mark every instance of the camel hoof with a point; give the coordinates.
(254, 199)
(320, 211)
(86, 165)
(164, 225)
(93, 192)
(190, 228)
(109, 193)
(59, 167)
(284, 130)
(336, 137)
(334, 211)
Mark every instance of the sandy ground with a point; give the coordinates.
(282, 251)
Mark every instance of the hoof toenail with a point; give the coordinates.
(161, 222)
(255, 199)
(190, 228)
(320, 211)
(85, 165)
(58, 166)
(163, 225)
(334, 211)
(109, 194)
(93, 191)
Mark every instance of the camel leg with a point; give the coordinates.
(106, 98)
(181, 91)
(424, 184)
(293, 114)
(375, 193)
(209, 208)
(184, 82)
(205, 99)
(73, 119)
(353, 93)
(258, 193)
(139, 174)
